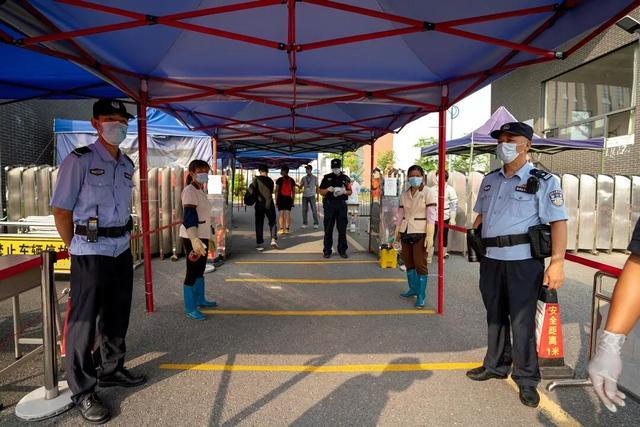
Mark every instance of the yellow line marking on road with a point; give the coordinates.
(318, 312)
(551, 409)
(309, 262)
(329, 281)
(383, 367)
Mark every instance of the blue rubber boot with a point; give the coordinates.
(422, 291)
(198, 292)
(190, 308)
(412, 279)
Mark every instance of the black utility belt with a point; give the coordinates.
(538, 238)
(113, 232)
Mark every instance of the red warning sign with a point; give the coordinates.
(549, 331)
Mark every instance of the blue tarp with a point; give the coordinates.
(254, 158)
(479, 141)
(158, 123)
(179, 62)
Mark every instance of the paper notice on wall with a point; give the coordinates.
(619, 141)
(214, 185)
(391, 187)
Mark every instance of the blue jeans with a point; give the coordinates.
(305, 209)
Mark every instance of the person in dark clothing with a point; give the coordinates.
(335, 189)
(263, 186)
(285, 195)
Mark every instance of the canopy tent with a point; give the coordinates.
(170, 142)
(317, 75)
(480, 141)
(254, 158)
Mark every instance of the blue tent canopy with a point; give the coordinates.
(255, 158)
(480, 141)
(299, 76)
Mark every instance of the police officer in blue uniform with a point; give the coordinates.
(335, 189)
(91, 206)
(511, 200)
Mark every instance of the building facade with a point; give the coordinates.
(591, 94)
(26, 131)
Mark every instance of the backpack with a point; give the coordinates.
(250, 198)
(285, 188)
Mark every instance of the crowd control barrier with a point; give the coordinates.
(19, 274)
(629, 381)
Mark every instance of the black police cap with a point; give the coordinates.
(336, 163)
(514, 128)
(106, 107)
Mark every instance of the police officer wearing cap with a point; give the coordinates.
(91, 207)
(335, 189)
(513, 199)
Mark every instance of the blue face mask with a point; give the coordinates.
(415, 181)
(202, 178)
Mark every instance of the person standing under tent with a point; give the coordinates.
(262, 187)
(309, 186)
(91, 208)
(355, 191)
(606, 366)
(195, 231)
(335, 188)
(450, 209)
(412, 233)
(285, 195)
(513, 202)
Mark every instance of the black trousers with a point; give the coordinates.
(270, 213)
(510, 294)
(100, 291)
(335, 213)
(445, 236)
(194, 269)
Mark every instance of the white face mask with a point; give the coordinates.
(507, 152)
(114, 132)
(202, 178)
(336, 171)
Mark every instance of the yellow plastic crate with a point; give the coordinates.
(388, 258)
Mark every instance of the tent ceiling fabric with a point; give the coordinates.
(311, 75)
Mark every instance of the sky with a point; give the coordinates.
(473, 112)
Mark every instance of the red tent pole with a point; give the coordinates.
(442, 147)
(371, 165)
(214, 163)
(144, 195)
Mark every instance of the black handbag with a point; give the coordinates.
(250, 198)
(411, 238)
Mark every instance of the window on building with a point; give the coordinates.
(594, 100)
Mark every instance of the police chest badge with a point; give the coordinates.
(487, 187)
(557, 198)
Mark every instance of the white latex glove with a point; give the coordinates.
(330, 189)
(604, 370)
(338, 191)
(198, 246)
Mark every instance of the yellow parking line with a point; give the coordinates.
(318, 312)
(309, 262)
(383, 367)
(320, 281)
(551, 409)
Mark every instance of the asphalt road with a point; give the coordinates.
(290, 344)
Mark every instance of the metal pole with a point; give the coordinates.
(17, 326)
(214, 160)
(144, 195)
(371, 161)
(49, 325)
(442, 148)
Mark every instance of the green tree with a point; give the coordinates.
(455, 162)
(386, 159)
(352, 161)
(428, 163)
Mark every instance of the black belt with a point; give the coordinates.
(113, 232)
(504, 241)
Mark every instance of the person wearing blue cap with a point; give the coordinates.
(514, 205)
(91, 207)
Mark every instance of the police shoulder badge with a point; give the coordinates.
(556, 197)
(487, 187)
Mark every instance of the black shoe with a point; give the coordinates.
(344, 255)
(326, 255)
(481, 374)
(93, 410)
(121, 378)
(529, 396)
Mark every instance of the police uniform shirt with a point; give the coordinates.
(194, 197)
(92, 183)
(335, 181)
(634, 244)
(507, 208)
